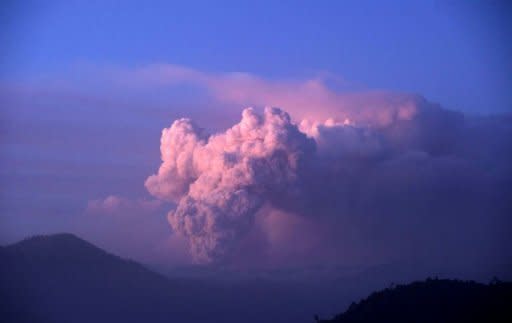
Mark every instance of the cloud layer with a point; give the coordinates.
(347, 177)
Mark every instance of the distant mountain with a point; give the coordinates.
(434, 300)
(62, 278)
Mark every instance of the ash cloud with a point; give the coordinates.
(220, 182)
(422, 185)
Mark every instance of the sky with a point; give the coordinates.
(454, 52)
(386, 122)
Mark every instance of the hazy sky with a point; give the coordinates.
(394, 126)
(454, 52)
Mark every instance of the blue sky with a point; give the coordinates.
(453, 52)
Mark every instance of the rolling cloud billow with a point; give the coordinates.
(221, 181)
(365, 180)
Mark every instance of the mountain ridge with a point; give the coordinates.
(63, 278)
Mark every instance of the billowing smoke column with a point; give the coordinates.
(357, 186)
(220, 182)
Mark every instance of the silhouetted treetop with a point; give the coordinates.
(434, 300)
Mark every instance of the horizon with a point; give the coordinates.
(62, 274)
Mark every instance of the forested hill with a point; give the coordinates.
(434, 300)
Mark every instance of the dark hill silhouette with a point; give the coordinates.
(62, 278)
(434, 300)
